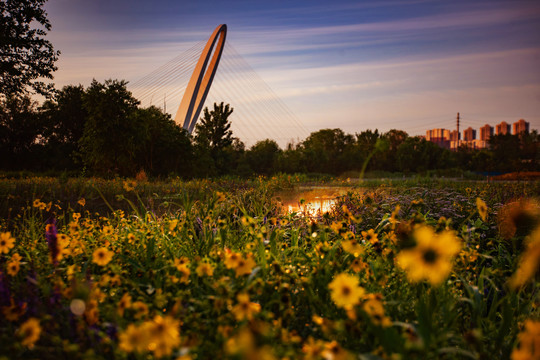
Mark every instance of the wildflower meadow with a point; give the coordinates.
(202, 269)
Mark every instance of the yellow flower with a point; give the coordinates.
(140, 308)
(81, 202)
(163, 335)
(30, 331)
(529, 262)
(345, 290)
(14, 265)
(129, 185)
(205, 269)
(519, 218)
(13, 312)
(431, 258)
(313, 348)
(352, 247)
(358, 265)
(181, 262)
(337, 227)
(370, 236)
(107, 230)
(232, 259)
(102, 256)
(184, 272)
(374, 308)
(173, 224)
(245, 309)
(124, 303)
(482, 208)
(6, 242)
(132, 339)
(529, 342)
(245, 266)
(333, 351)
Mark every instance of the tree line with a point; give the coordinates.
(101, 130)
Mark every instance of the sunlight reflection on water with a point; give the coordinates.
(310, 201)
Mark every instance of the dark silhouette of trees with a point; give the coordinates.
(101, 130)
(20, 133)
(213, 138)
(26, 54)
(325, 151)
(65, 117)
(112, 133)
(166, 147)
(263, 157)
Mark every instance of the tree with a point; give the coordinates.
(26, 55)
(166, 147)
(64, 118)
(214, 136)
(263, 156)
(324, 151)
(112, 132)
(20, 130)
(417, 155)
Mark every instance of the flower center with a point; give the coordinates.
(346, 290)
(430, 256)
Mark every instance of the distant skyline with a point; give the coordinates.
(354, 65)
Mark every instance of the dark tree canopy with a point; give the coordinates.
(26, 55)
(213, 130)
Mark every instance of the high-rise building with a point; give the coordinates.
(502, 128)
(486, 132)
(469, 134)
(520, 126)
(440, 137)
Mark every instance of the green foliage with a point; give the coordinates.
(112, 132)
(166, 147)
(20, 129)
(263, 156)
(26, 54)
(213, 138)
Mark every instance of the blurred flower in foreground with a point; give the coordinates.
(529, 342)
(482, 209)
(163, 335)
(30, 332)
(519, 218)
(529, 264)
(245, 309)
(345, 290)
(431, 258)
(205, 269)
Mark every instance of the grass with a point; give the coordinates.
(215, 269)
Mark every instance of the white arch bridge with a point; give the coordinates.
(213, 71)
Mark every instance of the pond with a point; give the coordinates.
(310, 201)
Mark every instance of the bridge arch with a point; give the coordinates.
(201, 80)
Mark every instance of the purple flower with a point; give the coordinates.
(52, 240)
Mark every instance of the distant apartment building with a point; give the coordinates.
(486, 132)
(502, 128)
(469, 134)
(452, 139)
(440, 137)
(520, 126)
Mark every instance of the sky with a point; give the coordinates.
(355, 65)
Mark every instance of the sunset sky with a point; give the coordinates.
(354, 65)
